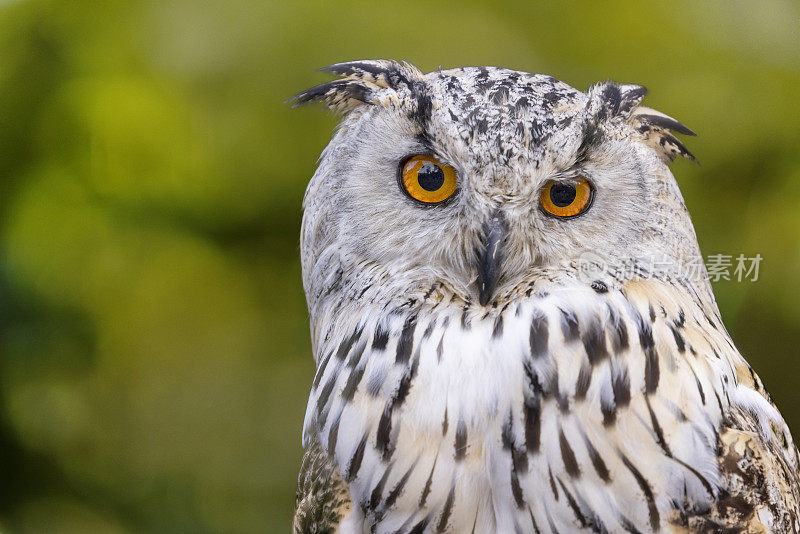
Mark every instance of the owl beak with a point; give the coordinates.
(491, 256)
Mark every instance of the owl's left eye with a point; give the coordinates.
(566, 199)
(427, 180)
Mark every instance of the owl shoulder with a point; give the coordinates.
(759, 475)
(323, 498)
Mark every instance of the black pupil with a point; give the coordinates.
(562, 195)
(430, 177)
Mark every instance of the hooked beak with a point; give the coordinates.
(491, 257)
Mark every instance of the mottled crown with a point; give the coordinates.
(530, 103)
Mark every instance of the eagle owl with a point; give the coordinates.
(512, 326)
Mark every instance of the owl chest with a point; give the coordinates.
(497, 425)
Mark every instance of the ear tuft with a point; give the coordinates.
(613, 101)
(620, 103)
(656, 129)
(631, 96)
(359, 83)
(339, 95)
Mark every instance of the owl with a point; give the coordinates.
(512, 325)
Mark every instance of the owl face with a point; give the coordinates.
(478, 179)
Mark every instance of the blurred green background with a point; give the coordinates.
(154, 353)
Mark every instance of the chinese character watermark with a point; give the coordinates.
(591, 266)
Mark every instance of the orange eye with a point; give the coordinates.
(565, 199)
(427, 179)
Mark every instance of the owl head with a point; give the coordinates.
(473, 182)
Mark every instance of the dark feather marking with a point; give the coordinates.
(352, 383)
(619, 333)
(507, 432)
(347, 343)
(447, 510)
(322, 400)
(682, 150)
(465, 320)
(657, 428)
(321, 369)
(333, 435)
(499, 95)
(422, 112)
(553, 487)
(405, 381)
(651, 369)
(719, 402)
(553, 528)
(652, 372)
(427, 489)
(706, 484)
(332, 91)
(533, 521)
(383, 434)
(632, 98)
(552, 391)
(381, 337)
(533, 422)
(573, 505)
(383, 438)
(516, 489)
(710, 322)
(390, 70)
(406, 341)
(568, 456)
(583, 382)
(621, 386)
(678, 339)
(519, 459)
(497, 331)
(420, 527)
(592, 137)
(440, 349)
(355, 354)
(521, 103)
(680, 322)
(445, 423)
(429, 329)
(539, 334)
(594, 342)
(628, 525)
(460, 441)
(377, 491)
(375, 382)
(608, 409)
(612, 98)
(648, 492)
(597, 461)
(700, 389)
(398, 488)
(355, 461)
(754, 378)
(569, 325)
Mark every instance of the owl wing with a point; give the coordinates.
(759, 471)
(759, 481)
(323, 498)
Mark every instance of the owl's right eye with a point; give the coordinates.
(427, 180)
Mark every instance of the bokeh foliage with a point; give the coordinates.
(154, 353)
